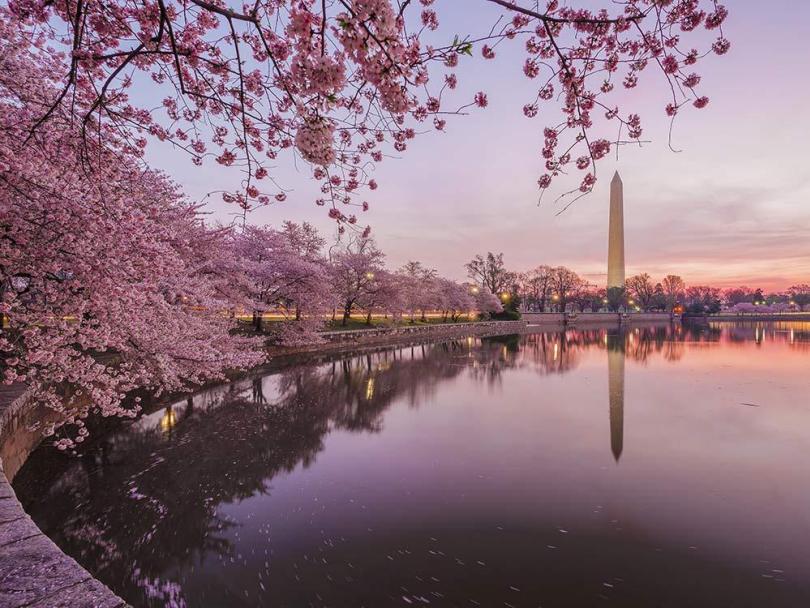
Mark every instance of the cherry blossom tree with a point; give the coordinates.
(383, 294)
(354, 274)
(285, 273)
(744, 307)
(453, 299)
(486, 303)
(419, 287)
(305, 240)
(99, 305)
(343, 82)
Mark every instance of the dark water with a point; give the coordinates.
(652, 467)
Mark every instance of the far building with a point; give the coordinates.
(615, 272)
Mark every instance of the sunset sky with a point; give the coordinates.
(733, 207)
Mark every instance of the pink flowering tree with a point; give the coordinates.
(419, 288)
(107, 277)
(355, 271)
(744, 308)
(453, 299)
(486, 303)
(284, 272)
(383, 294)
(344, 83)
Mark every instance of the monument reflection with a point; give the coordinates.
(615, 357)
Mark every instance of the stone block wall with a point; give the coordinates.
(33, 571)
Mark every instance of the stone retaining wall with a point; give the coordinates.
(438, 330)
(33, 571)
(596, 318)
(380, 337)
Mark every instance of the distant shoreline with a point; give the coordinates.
(756, 316)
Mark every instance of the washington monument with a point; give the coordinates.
(615, 273)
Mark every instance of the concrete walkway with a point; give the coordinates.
(33, 570)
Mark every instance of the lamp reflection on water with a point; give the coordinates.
(168, 420)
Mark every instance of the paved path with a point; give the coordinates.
(34, 573)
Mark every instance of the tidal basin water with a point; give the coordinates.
(649, 467)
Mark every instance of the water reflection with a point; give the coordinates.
(616, 354)
(328, 482)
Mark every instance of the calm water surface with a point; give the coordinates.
(649, 467)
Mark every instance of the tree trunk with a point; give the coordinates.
(257, 321)
(347, 311)
(368, 318)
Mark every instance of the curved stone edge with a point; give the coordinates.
(34, 572)
(349, 340)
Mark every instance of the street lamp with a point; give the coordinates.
(474, 289)
(369, 275)
(504, 296)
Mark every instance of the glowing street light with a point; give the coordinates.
(504, 296)
(474, 289)
(369, 275)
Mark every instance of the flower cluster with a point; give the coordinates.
(314, 139)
